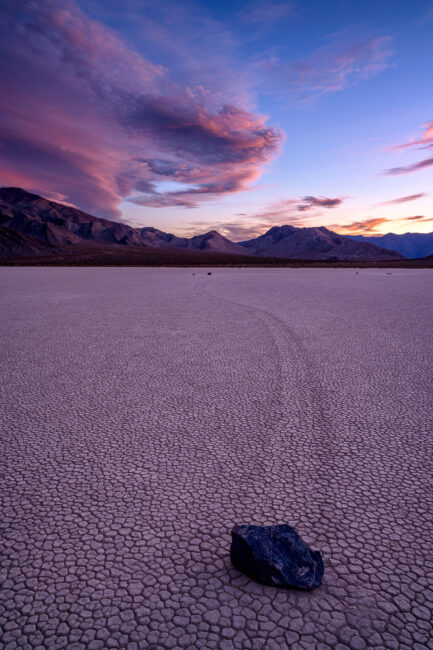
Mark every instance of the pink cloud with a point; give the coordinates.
(404, 199)
(86, 116)
(408, 169)
(425, 141)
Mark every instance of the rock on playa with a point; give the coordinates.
(276, 555)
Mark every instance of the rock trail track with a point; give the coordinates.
(146, 411)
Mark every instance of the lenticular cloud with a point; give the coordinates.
(112, 124)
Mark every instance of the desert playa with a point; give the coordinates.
(147, 411)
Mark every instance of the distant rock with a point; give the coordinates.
(276, 555)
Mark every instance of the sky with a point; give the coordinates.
(228, 115)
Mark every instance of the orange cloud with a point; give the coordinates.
(429, 132)
(366, 227)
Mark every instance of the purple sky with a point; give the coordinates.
(237, 116)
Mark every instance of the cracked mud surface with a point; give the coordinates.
(146, 411)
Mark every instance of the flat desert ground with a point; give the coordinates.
(147, 411)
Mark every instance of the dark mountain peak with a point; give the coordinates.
(313, 243)
(150, 229)
(212, 234)
(208, 236)
(213, 241)
(286, 228)
(155, 231)
(278, 232)
(17, 195)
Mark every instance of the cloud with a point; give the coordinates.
(277, 210)
(188, 40)
(309, 202)
(87, 116)
(371, 226)
(423, 142)
(404, 199)
(428, 135)
(289, 207)
(365, 227)
(331, 68)
(254, 224)
(408, 169)
(283, 211)
(419, 217)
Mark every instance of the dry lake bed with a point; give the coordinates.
(147, 411)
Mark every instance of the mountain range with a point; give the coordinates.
(411, 245)
(314, 244)
(47, 225)
(31, 225)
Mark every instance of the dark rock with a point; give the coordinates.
(276, 555)
(209, 273)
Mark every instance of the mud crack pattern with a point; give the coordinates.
(146, 411)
